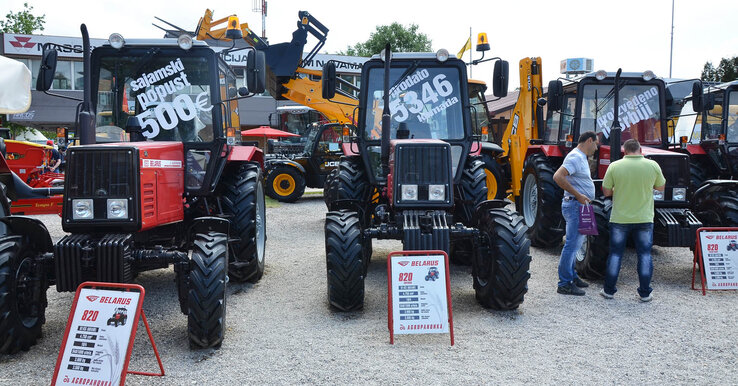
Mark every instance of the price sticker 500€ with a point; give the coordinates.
(167, 115)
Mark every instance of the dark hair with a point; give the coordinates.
(631, 146)
(587, 135)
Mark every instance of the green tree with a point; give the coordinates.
(726, 71)
(23, 22)
(400, 38)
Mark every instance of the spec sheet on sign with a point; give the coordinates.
(720, 259)
(419, 294)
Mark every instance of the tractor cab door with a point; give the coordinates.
(325, 154)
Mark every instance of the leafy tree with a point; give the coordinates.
(23, 22)
(400, 38)
(726, 71)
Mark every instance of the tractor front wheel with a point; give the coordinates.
(345, 267)
(285, 184)
(501, 265)
(540, 203)
(243, 202)
(591, 259)
(206, 302)
(22, 296)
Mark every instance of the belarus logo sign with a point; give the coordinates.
(403, 263)
(92, 298)
(22, 42)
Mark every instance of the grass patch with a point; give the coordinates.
(271, 203)
(314, 193)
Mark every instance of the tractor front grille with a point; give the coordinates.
(100, 173)
(423, 165)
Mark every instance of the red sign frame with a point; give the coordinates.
(390, 321)
(139, 313)
(698, 259)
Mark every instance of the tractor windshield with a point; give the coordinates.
(170, 94)
(639, 112)
(426, 103)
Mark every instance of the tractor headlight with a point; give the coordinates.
(679, 194)
(116, 41)
(648, 75)
(436, 192)
(601, 75)
(117, 208)
(82, 209)
(658, 195)
(410, 192)
(442, 55)
(184, 41)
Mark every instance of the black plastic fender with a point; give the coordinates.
(33, 228)
(491, 148)
(272, 163)
(711, 186)
(208, 224)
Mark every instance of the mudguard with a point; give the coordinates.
(208, 224)
(246, 153)
(33, 228)
(711, 186)
(491, 148)
(272, 163)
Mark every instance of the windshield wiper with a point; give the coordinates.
(404, 75)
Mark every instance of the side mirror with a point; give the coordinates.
(698, 104)
(256, 72)
(243, 91)
(328, 80)
(47, 70)
(555, 95)
(500, 78)
(708, 101)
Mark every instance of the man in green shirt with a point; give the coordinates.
(631, 181)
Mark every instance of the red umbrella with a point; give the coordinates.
(267, 132)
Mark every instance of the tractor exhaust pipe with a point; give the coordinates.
(86, 116)
(615, 153)
(386, 113)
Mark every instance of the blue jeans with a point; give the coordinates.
(643, 237)
(574, 241)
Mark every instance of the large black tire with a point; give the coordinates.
(243, 202)
(472, 190)
(496, 184)
(330, 187)
(352, 183)
(206, 300)
(718, 208)
(501, 265)
(22, 296)
(697, 174)
(345, 262)
(285, 183)
(591, 260)
(540, 202)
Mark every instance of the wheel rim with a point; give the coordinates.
(582, 252)
(284, 184)
(25, 287)
(530, 200)
(260, 225)
(491, 184)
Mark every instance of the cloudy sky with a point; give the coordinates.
(631, 34)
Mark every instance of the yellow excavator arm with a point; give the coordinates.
(308, 93)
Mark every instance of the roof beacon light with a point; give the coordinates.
(116, 41)
(442, 55)
(648, 75)
(233, 31)
(601, 74)
(184, 41)
(482, 42)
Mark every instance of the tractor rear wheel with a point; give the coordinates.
(243, 202)
(501, 265)
(285, 184)
(697, 174)
(345, 267)
(473, 189)
(496, 186)
(206, 302)
(351, 183)
(540, 203)
(718, 208)
(22, 296)
(591, 259)
(329, 188)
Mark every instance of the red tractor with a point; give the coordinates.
(179, 191)
(411, 174)
(28, 161)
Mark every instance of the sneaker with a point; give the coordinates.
(580, 283)
(646, 299)
(570, 289)
(606, 295)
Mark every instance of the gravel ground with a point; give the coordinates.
(281, 329)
